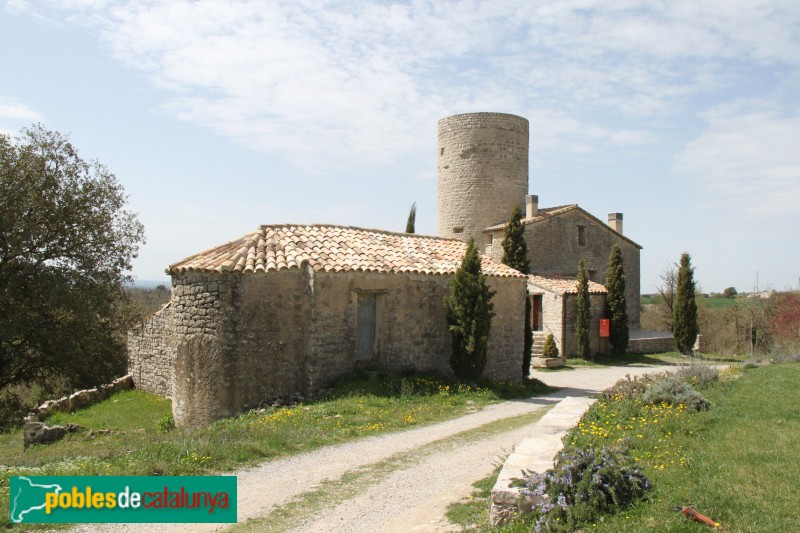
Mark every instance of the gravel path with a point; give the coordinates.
(411, 497)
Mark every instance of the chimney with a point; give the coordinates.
(532, 206)
(615, 221)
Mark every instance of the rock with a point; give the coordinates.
(39, 433)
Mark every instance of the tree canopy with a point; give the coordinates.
(684, 318)
(66, 242)
(617, 306)
(469, 314)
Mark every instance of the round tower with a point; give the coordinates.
(483, 172)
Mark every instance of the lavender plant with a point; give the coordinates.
(584, 484)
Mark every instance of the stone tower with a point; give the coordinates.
(483, 172)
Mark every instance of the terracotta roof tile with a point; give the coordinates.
(337, 249)
(561, 284)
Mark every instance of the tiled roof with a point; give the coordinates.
(543, 213)
(335, 248)
(561, 284)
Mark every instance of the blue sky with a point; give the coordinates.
(220, 116)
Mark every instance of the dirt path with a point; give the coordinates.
(394, 482)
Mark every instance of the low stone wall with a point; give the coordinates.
(81, 399)
(151, 353)
(651, 345)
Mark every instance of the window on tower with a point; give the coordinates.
(581, 235)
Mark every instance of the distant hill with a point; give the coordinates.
(151, 283)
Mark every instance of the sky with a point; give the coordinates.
(219, 116)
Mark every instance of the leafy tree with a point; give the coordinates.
(469, 313)
(412, 218)
(684, 318)
(584, 312)
(65, 244)
(730, 292)
(515, 255)
(550, 349)
(617, 306)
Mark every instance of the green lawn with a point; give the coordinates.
(736, 463)
(136, 445)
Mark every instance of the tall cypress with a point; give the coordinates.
(584, 312)
(515, 255)
(469, 314)
(412, 219)
(617, 306)
(684, 312)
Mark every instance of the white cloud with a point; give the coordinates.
(14, 110)
(747, 158)
(326, 84)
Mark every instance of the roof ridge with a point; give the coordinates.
(358, 228)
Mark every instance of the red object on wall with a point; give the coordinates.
(605, 327)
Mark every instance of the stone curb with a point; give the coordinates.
(536, 454)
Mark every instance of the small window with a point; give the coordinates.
(441, 152)
(581, 235)
(458, 229)
(490, 239)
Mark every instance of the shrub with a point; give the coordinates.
(166, 423)
(673, 391)
(699, 376)
(584, 484)
(550, 349)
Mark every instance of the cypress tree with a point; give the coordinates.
(412, 218)
(684, 317)
(617, 306)
(469, 314)
(515, 251)
(584, 312)
(550, 349)
(515, 255)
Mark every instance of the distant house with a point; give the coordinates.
(290, 308)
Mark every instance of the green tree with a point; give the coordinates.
(65, 244)
(583, 314)
(730, 292)
(684, 318)
(617, 306)
(515, 255)
(469, 314)
(412, 218)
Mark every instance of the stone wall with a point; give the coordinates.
(483, 172)
(412, 328)
(651, 345)
(151, 353)
(241, 340)
(205, 316)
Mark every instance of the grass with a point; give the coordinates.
(473, 512)
(736, 463)
(136, 445)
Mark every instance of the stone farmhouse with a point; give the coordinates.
(287, 309)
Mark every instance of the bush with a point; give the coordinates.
(584, 484)
(550, 349)
(671, 390)
(699, 376)
(166, 423)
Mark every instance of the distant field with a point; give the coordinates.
(708, 302)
